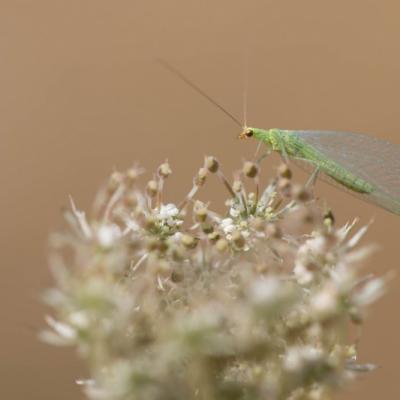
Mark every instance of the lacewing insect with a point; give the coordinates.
(366, 166)
(363, 165)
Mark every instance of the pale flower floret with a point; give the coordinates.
(234, 212)
(245, 233)
(85, 382)
(325, 302)
(168, 211)
(62, 334)
(177, 237)
(298, 357)
(168, 215)
(79, 319)
(302, 274)
(108, 234)
(272, 294)
(64, 330)
(131, 226)
(267, 290)
(343, 277)
(357, 237)
(228, 226)
(370, 292)
(311, 250)
(315, 246)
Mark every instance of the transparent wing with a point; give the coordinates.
(373, 160)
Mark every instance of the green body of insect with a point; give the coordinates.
(289, 143)
(366, 166)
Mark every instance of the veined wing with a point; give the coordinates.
(373, 160)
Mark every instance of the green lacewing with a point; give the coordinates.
(366, 166)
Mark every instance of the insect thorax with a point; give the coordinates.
(276, 139)
(269, 136)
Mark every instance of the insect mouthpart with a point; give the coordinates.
(247, 133)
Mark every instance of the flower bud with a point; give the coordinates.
(152, 244)
(356, 316)
(252, 197)
(115, 181)
(284, 171)
(162, 268)
(201, 214)
(258, 224)
(207, 227)
(130, 201)
(284, 186)
(237, 186)
(238, 239)
(157, 244)
(164, 170)
(211, 164)
(177, 276)
(132, 175)
(250, 169)
(272, 230)
(214, 236)
(177, 253)
(201, 176)
(152, 188)
(189, 241)
(328, 218)
(301, 194)
(150, 223)
(221, 245)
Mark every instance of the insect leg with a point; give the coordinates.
(263, 157)
(313, 177)
(282, 151)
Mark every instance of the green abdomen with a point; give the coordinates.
(298, 149)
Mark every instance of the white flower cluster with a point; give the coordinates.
(170, 301)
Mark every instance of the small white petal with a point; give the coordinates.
(52, 338)
(297, 357)
(357, 237)
(64, 330)
(234, 212)
(168, 211)
(370, 292)
(107, 235)
(85, 382)
(325, 302)
(228, 226)
(79, 319)
(81, 217)
(302, 274)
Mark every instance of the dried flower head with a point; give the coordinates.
(172, 300)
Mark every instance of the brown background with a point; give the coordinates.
(80, 94)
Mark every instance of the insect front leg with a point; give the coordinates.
(263, 156)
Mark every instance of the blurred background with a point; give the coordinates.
(81, 95)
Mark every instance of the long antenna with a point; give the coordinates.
(245, 86)
(180, 75)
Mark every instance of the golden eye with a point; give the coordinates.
(249, 132)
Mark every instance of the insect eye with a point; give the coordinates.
(249, 132)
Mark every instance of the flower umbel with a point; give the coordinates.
(172, 300)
